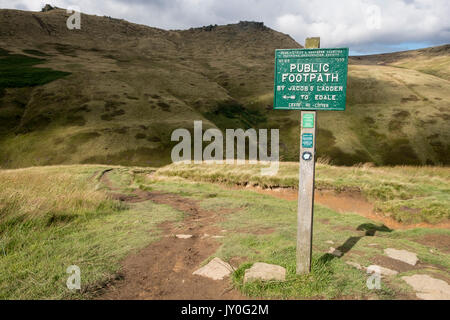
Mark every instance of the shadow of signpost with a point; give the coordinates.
(369, 229)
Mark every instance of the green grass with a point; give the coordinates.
(54, 217)
(17, 71)
(35, 52)
(231, 114)
(60, 217)
(263, 229)
(407, 193)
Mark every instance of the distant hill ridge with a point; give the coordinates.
(114, 91)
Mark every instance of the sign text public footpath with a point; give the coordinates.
(310, 79)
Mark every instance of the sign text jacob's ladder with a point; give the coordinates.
(310, 79)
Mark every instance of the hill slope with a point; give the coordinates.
(114, 91)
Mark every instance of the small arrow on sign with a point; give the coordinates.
(288, 97)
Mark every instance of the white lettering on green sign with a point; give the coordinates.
(310, 79)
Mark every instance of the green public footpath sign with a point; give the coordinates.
(310, 79)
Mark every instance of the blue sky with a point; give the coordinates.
(396, 47)
(364, 26)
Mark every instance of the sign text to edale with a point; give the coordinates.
(310, 79)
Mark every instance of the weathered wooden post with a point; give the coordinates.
(309, 79)
(305, 210)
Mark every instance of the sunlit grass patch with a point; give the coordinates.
(262, 228)
(54, 217)
(329, 278)
(410, 194)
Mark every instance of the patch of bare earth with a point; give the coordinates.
(438, 241)
(163, 270)
(346, 201)
(401, 266)
(393, 264)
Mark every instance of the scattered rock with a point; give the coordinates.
(354, 264)
(217, 237)
(47, 8)
(428, 288)
(373, 244)
(216, 269)
(184, 236)
(264, 271)
(251, 24)
(329, 241)
(402, 255)
(335, 252)
(383, 271)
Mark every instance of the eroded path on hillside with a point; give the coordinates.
(163, 270)
(347, 201)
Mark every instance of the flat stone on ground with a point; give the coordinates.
(383, 271)
(428, 288)
(402, 255)
(184, 236)
(264, 271)
(216, 269)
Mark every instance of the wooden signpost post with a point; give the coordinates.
(309, 79)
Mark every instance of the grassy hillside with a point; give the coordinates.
(114, 91)
(434, 60)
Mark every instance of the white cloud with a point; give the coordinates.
(362, 25)
(356, 23)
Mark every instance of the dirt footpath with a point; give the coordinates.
(163, 270)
